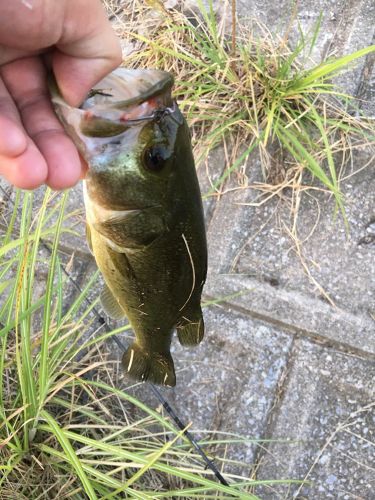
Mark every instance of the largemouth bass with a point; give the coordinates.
(145, 223)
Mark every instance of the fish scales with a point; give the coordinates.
(145, 223)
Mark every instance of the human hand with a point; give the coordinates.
(75, 39)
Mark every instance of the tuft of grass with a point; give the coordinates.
(254, 93)
(67, 429)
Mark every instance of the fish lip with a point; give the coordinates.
(163, 84)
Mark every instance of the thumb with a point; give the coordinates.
(87, 50)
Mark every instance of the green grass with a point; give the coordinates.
(67, 430)
(253, 93)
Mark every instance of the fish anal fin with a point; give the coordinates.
(110, 304)
(190, 331)
(155, 367)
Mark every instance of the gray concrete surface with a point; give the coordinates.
(279, 362)
(324, 398)
(327, 408)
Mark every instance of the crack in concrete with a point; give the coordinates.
(296, 331)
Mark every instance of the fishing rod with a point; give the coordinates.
(168, 408)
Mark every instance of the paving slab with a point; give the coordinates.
(255, 248)
(327, 410)
(296, 312)
(340, 264)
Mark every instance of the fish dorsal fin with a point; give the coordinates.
(110, 304)
(88, 238)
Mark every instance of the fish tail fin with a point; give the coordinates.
(155, 367)
(190, 331)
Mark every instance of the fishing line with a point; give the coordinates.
(103, 323)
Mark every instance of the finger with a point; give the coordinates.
(20, 161)
(8, 54)
(26, 82)
(87, 49)
(31, 24)
(27, 171)
(12, 136)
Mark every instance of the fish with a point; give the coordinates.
(145, 224)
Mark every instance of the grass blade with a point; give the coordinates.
(62, 438)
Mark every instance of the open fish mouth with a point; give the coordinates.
(122, 99)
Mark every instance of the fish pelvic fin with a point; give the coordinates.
(190, 331)
(155, 367)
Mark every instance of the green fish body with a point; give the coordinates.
(145, 223)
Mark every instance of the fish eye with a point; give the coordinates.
(155, 158)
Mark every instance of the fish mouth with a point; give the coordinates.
(123, 98)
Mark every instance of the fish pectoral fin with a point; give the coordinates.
(155, 367)
(88, 238)
(190, 331)
(136, 229)
(110, 304)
